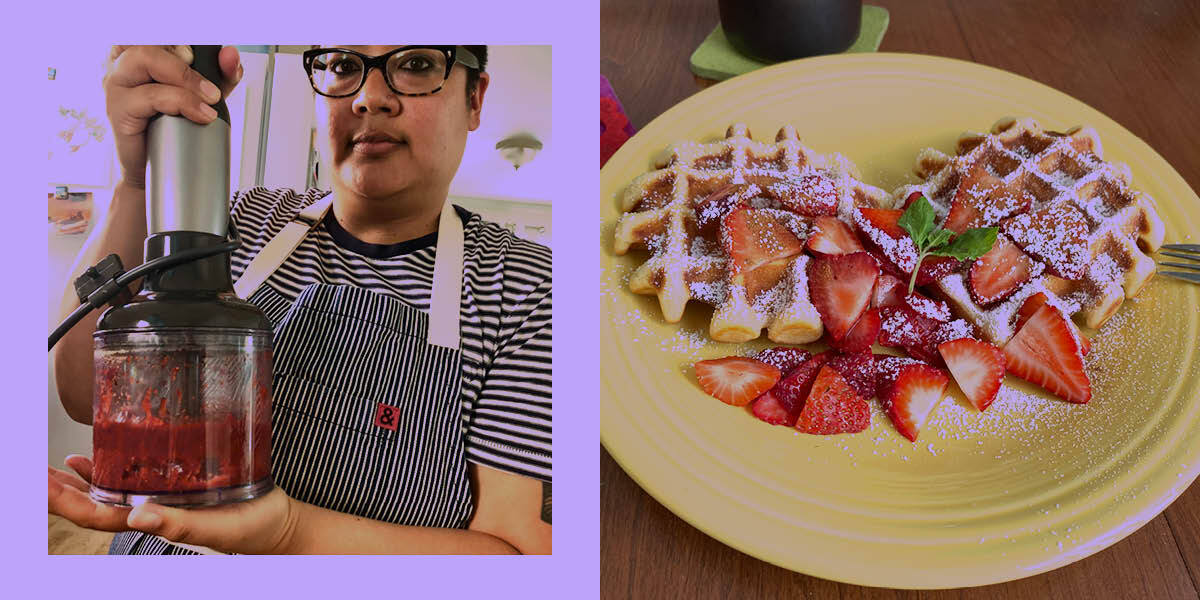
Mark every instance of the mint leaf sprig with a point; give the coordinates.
(917, 220)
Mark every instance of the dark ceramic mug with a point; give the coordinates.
(775, 30)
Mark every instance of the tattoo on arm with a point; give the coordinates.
(546, 501)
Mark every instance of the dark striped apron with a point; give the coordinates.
(366, 414)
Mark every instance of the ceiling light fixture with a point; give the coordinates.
(519, 149)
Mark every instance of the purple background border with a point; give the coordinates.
(572, 28)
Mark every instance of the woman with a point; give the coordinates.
(360, 323)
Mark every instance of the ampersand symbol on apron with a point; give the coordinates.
(385, 417)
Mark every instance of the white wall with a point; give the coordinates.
(289, 133)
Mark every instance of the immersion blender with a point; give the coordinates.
(182, 390)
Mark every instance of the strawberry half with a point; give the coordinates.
(999, 273)
(1046, 352)
(858, 369)
(811, 195)
(792, 389)
(833, 407)
(903, 327)
(756, 237)
(831, 236)
(987, 204)
(883, 220)
(1032, 304)
(889, 291)
(735, 380)
(840, 288)
(916, 391)
(887, 371)
(862, 335)
(769, 409)
(977, 367)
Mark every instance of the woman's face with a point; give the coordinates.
(431, 132)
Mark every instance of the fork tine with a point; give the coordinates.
(1192, 277)
(1184, 247)
(1180, 255)
(1181, 265)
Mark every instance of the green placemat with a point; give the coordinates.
(716, 59)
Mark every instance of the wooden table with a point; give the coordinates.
(1137, 62)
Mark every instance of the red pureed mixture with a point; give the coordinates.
(157, 446)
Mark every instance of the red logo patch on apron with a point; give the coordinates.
(387, 417)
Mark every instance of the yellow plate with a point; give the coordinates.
(1031, 485)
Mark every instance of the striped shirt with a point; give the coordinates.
(505, 313)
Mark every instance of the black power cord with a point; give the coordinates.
(101, 283)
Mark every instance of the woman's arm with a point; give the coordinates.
(507, 520)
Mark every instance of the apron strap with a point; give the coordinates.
(447, 267)
(280, 247)
(446, 294)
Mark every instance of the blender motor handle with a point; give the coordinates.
(205, 62)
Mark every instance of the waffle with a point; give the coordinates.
(669, 211)
(1051, 193)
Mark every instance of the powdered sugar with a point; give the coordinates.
(1013, 411)
(954, 330)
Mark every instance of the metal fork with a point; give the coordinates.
(1185, 251)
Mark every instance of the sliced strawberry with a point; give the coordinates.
(736, 380)
(982, 201)
(934, 309)
(903, 327)
(783, 358)
(858, 369)
(833, 407)
(999, 273)
(792, 389)
(811, 195)
(756, 237)
(1056, 234)
(912, 397)
(768, 408)
(862, 335)
(832, 236)
(889, 291)
(1032, 304)
(1046, 352)
(884, 220)
(963, 216)
(977, 367)
(840, 288)
(887, 370)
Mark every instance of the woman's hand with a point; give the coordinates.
(260, 526)
(142, 81)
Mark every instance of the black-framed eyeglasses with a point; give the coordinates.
(408, 70)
